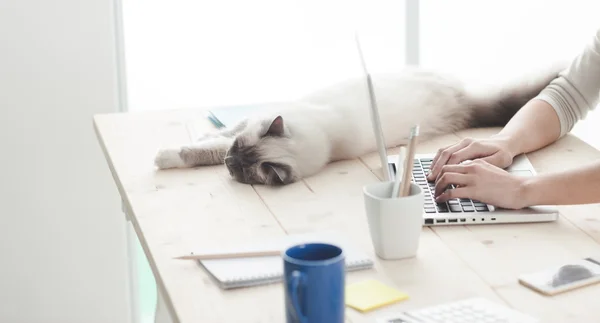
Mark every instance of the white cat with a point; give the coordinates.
(298, 139)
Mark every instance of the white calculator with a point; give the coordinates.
(471, 310)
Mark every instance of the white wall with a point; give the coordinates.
(62, 243)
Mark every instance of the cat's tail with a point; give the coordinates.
(207, 152)
(494, 108)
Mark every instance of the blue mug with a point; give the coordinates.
(314, 282)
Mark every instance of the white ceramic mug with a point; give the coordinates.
(395, 223)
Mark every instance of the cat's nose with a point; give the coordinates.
(228, 161)
(233, 166)
(229, 167)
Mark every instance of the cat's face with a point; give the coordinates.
(262, 154)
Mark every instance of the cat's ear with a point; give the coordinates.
(276, 128)
(276, 174)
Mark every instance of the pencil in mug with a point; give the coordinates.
(410, 156)
(375, 119)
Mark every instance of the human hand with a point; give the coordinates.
(481, 181)
(495, 151)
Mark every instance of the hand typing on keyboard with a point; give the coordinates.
(494, 150)
(482, 181)
(420, 168)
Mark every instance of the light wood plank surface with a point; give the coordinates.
(178, 211)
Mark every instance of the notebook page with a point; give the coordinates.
(247, 271)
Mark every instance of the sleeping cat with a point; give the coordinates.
(294, 140)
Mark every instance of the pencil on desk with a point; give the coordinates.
(268, 253)
(410, 156)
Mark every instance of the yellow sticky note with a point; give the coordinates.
(371, 294)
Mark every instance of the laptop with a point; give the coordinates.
(456, 211)
(467, 211)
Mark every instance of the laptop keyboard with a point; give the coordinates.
(420, 168)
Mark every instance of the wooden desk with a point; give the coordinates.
(176, 211)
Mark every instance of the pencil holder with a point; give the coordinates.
(395, 224)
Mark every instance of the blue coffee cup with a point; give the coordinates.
(314, 282)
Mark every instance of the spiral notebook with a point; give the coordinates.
(245, 272)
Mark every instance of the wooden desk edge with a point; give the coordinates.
(127, 209)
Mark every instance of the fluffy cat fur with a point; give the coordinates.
(294, 140)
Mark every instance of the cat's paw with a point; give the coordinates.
(169, 158)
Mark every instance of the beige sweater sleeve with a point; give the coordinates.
(576, 90)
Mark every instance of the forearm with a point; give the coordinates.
(565, 101)
(535, 126)
(575, 186)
